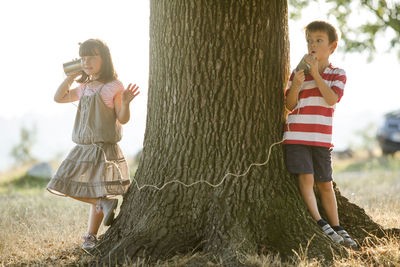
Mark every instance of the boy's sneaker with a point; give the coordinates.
(332, 234)
(347, 239)
(89, 242)
(107, 206)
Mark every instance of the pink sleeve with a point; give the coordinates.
(110, 90)
(79, 90)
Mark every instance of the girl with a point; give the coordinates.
(95, 169)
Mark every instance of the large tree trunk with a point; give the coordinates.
(217, 74)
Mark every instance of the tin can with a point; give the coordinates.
(303, 65)
(72, 67)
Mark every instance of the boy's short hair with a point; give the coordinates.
(323, 26)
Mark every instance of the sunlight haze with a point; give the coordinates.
(39, 36)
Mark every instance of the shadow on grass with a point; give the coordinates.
(67, 257)
(77, 257)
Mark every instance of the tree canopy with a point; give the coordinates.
(363, 23)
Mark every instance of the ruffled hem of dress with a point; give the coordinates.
(61, 187)
(92, 171)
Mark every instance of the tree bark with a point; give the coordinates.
(215, 106)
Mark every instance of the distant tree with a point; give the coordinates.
(367, 137)
(22, 152)
(382, 19)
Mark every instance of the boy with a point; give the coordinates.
(311, 98)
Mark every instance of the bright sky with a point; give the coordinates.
(38, 36)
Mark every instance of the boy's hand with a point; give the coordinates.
(313, 62)
(298, 78)
(129, 94)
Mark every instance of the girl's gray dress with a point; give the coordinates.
(95, 167)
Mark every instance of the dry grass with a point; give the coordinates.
(373, 185)
(39, 229)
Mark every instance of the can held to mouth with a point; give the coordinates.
(72, 67)
(303, 66)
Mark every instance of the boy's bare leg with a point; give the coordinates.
(306, 186)
(328, 200)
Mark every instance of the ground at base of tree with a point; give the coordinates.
(42, 229)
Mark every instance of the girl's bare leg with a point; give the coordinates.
(87, 200)
(95, 218)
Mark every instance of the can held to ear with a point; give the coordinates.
(72, 67)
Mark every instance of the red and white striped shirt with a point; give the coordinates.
(310, 122)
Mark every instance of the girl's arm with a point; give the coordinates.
(64, 94)
(122, 101)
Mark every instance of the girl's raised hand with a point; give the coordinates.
(129, 94)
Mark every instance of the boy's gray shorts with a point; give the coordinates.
(304, 159)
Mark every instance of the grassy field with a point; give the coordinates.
(37, 228)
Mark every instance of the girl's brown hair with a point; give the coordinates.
(96, 47)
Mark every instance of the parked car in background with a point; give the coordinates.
(388, 134)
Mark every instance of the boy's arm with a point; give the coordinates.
(292, 96)
(331, 98)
